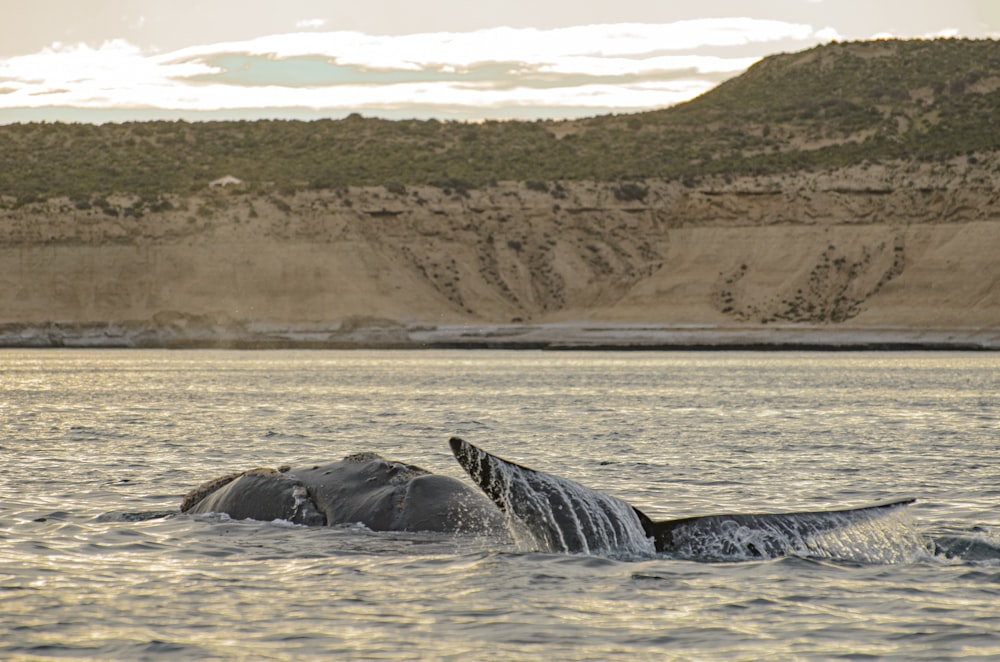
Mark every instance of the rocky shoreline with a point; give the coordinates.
(564, 336)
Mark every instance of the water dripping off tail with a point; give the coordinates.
(880, 534)
(555, 514)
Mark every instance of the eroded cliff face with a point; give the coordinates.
(886, 245)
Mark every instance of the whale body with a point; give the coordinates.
(364, 488)
(563, 516)
(542, 511)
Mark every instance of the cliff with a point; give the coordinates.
(894, 249)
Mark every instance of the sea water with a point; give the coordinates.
(90, 438)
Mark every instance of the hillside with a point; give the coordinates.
(851, 188)
(830, 106)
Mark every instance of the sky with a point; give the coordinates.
(123, 60)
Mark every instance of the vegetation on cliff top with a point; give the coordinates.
(829, 106)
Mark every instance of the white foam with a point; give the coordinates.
(557, 515)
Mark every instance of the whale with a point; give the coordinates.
(509, 501)
(363, 488)
(559, 515)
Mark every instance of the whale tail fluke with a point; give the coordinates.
(563, 516)
(768, 535)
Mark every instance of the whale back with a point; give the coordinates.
(387, 495)
(364, 488)
(558, 514)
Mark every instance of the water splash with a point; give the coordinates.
(889, 539)
(876, 537)
(976, 545)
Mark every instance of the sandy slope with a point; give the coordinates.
(902, 249)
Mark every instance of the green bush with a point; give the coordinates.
(630, 192)
(829, 95)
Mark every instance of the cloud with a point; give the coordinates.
(945, 32)
(828, 34)
(617, 66)
(529, 44)
(310, 23)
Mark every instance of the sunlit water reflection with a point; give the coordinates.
(85, 433)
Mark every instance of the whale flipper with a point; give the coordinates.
(563, 516)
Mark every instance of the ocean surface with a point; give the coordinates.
(91, 439)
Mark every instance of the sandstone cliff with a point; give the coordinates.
(899, 246)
